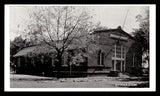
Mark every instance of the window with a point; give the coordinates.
(118, 59)
(100, 58)
(118, 51)
(113, 64)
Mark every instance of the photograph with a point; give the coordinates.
(58, 47)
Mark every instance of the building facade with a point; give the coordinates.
(110, 50)
(115, 50)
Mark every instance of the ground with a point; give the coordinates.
(29, 81)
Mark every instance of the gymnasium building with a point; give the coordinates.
(111, 50)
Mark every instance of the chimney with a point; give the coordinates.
(119, 27)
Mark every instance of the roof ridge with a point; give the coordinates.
(118, 28)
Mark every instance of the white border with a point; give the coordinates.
(7, 50)
(152, 8)
(79, 5)
(152, 47)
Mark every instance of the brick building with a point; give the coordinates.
(115, 50)
(110, 50)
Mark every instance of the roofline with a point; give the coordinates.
(117, 29)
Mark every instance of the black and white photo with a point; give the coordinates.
(80, 47)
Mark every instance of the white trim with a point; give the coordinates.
(115, 65)
(118, 37)
(115, 58)
(121, 52)
(115, 51)
(121, 65)
(121, 57)
(124, 59)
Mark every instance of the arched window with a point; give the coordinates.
(100, 58)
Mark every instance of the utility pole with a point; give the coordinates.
(125, 19)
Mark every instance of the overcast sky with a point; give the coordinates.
(109, 16)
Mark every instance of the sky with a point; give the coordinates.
(109, 16)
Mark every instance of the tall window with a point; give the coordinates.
(118, 58)
(100, 58)
(118, 51)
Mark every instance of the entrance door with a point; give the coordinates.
(118, 65)
(118, 58)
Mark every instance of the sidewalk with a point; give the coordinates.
(33, 77)
(29, 77)
(29, 81)
(88, 78)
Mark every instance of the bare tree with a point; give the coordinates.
(58, 26)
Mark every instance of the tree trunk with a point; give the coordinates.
(58, 65)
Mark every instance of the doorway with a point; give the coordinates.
(118, 58)
(118, 65)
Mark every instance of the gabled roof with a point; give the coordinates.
(44, 48)
(24, 51)
(119, 29)
(34, 49)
